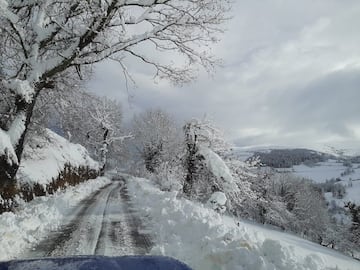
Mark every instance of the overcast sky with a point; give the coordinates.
(291, 77)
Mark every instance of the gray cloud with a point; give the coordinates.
(291, 76)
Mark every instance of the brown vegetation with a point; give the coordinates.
(69, 176)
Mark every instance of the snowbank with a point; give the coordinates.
(204, 239)
(24, 228)
(45, 157)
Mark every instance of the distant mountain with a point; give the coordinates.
(286, 158)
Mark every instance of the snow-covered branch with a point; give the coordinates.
(42, 39)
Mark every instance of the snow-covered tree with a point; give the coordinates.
(93, 122)
(206, 171)
(243, 203)
(205, 132)
(156, 138)
(310, 211)
(41, 39)
(354, 211)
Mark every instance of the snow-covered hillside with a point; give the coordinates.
(319, 172)
(204, 239)
(49, 154)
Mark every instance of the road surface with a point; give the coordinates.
(103, 224)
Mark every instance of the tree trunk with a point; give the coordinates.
(7, 169)
(104, 151)
(191, 169)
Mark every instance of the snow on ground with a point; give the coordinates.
(49, 154)
(204, 239)
(331, 170)
(352, 194)
(33, 220)
(325, 171)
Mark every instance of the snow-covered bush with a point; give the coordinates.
(168, 177)
(217, 202)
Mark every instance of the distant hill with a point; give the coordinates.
(355, 159)
(286, 158)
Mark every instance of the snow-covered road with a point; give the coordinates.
(103, 224)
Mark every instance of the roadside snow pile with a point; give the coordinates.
(49, 154)
(24, 228)
(205, 239)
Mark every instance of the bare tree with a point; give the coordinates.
(41, 39)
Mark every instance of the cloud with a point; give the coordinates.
(291, 76)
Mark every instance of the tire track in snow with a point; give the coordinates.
(78, 227)
(114, 238)
(103, 224)
(142, 239)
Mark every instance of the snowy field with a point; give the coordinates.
(32, 221)
(352, 194)
(326, 170)
(319, 173)
(332, 170)
(204, 239)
